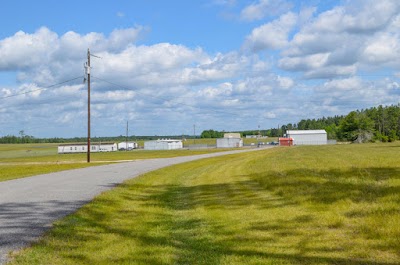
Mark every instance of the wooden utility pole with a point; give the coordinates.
(87, 67)
(194, 133)
(88, 83)
(127, 130)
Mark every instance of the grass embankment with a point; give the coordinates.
(298, 205)
(23, 160)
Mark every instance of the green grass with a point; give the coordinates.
(296, 205)
(23, 160)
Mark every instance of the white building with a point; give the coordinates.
(229, 142)
(127, 145)
(163, 144)
(308, 137)
(82, 148)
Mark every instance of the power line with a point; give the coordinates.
(40, 89)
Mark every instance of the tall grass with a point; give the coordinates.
(297, 205)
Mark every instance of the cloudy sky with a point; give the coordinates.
(216, 64)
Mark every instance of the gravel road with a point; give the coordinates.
(29, 206)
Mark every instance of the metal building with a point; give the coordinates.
(229, 142)
(163, 144)
(308, 137)
(127, 146)
(82, 148)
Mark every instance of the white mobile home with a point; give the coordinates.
(163, 144)
(308, 137)
(82, 148)
(127, 145)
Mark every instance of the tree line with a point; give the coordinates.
(380, 123)
(23, 139)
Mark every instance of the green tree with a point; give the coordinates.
(357, 127)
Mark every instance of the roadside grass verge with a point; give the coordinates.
(23, 160)
(9, 172)
(298, 205)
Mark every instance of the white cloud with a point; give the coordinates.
(345, 84)
(155, 85)
(345, 39)
(150, 79)
(263, 8)
(384, 48)
(307, 62)
(26, 50)
(269, 115)
(273, 35)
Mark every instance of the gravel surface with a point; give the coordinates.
(29, 206)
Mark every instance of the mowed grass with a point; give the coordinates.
(23, 160)
(294, 205)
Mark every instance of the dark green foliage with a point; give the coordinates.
(357, 126)
(380, 123)
(211, 134)
(25, 139)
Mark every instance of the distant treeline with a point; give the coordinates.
(11, 139)
(374, 124)
(217, 134)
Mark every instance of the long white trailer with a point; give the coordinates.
(82, 148)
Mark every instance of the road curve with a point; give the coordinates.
(29, 206)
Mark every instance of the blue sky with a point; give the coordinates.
(166, 65)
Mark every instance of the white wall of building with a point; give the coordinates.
(308, 137)
(163, 144)
(127, 145)
(82, 148)
(229, 142)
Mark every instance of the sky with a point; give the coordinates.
(169, 67)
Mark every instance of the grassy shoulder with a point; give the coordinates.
(298, 205)
(23, 160)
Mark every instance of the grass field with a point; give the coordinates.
(22, 160)
(297, 205)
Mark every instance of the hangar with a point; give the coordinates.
(308, 137)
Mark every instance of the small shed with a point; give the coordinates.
(308, 137)
(127, 146)
(229, 142)
(163, 144)
(284, 141)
